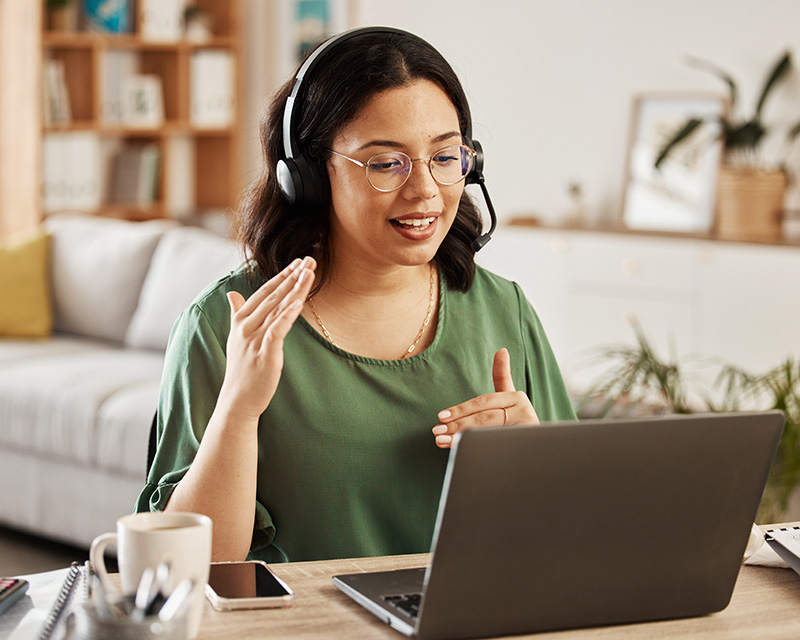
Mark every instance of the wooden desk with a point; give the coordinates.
(765, 604)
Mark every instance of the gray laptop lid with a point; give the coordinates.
(594, 523)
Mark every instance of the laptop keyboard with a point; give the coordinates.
(408, 603)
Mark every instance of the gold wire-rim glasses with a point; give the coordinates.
(390, 166)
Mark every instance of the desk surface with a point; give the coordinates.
(765, 604)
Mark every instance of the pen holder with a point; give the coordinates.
(88, 622)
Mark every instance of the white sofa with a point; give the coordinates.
(76, 409)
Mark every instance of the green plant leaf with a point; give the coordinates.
(778, 72)
(747, 135)
(710, 67)
(679, 136)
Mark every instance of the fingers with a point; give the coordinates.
(503, 407)
(236, 300)
(269, 286)
(491, 410)
(260, 310)
(289, 311)
(501, 371)
(502, 412)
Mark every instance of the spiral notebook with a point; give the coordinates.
(785, 541)
(74, 590)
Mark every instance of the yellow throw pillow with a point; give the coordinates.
(25, 309)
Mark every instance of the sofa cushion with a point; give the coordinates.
(15, 349)
(25, 310)
(185, 261)
(98, 266)
(85, 402)
(123, 432)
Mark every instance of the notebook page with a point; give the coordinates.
(789, 538)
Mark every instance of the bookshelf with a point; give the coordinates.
(175, 97)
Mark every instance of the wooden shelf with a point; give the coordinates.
(132, 211)
(89, 40)
(198, 165)
(524, 221)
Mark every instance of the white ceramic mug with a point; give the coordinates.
(146, 540)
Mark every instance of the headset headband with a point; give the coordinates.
(290, 150)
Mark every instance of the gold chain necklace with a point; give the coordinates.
(425, 323)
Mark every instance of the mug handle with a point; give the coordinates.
(97, 558)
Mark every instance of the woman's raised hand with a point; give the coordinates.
(255, 342)
(503, 407)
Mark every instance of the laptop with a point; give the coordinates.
(568, 525)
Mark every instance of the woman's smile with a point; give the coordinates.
(414, 222)
(415, 227)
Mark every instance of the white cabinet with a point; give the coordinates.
(692, 297)
(749, 310)
(615, 282)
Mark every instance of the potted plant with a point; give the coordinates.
(750, 191)
(197, 24)
(636, 382)
(778, 388)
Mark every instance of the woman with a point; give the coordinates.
(310, 397)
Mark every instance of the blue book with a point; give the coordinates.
(110, 16)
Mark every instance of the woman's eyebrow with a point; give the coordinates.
(447, 136)
(380, 143)
(397, 145)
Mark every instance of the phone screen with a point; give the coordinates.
(233, 580)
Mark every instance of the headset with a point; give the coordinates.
(300, 178)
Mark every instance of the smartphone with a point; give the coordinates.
(246, 585)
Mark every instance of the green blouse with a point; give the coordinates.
(347, 462)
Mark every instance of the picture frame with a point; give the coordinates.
(108, 17)
(142, 101)
(680, 195)
(304, 23)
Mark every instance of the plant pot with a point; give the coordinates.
(750, 203)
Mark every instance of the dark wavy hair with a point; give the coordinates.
(275, 232)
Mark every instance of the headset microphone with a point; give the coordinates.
(480, 242)
(300, 179)
(476, 177)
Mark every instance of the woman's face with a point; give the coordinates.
(405, 226)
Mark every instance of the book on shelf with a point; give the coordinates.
(162, 20)
(142, 101)
(55, 95)
(115, 66)
(71, 172)
(180, 164)
(134, 175)
(109, 16)
(212, 88)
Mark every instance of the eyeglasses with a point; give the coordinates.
(388, 171)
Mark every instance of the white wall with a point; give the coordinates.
(550, 82)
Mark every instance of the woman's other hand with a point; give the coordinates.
(505, 406)
(255, 342)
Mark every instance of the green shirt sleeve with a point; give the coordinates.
(193, 373)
